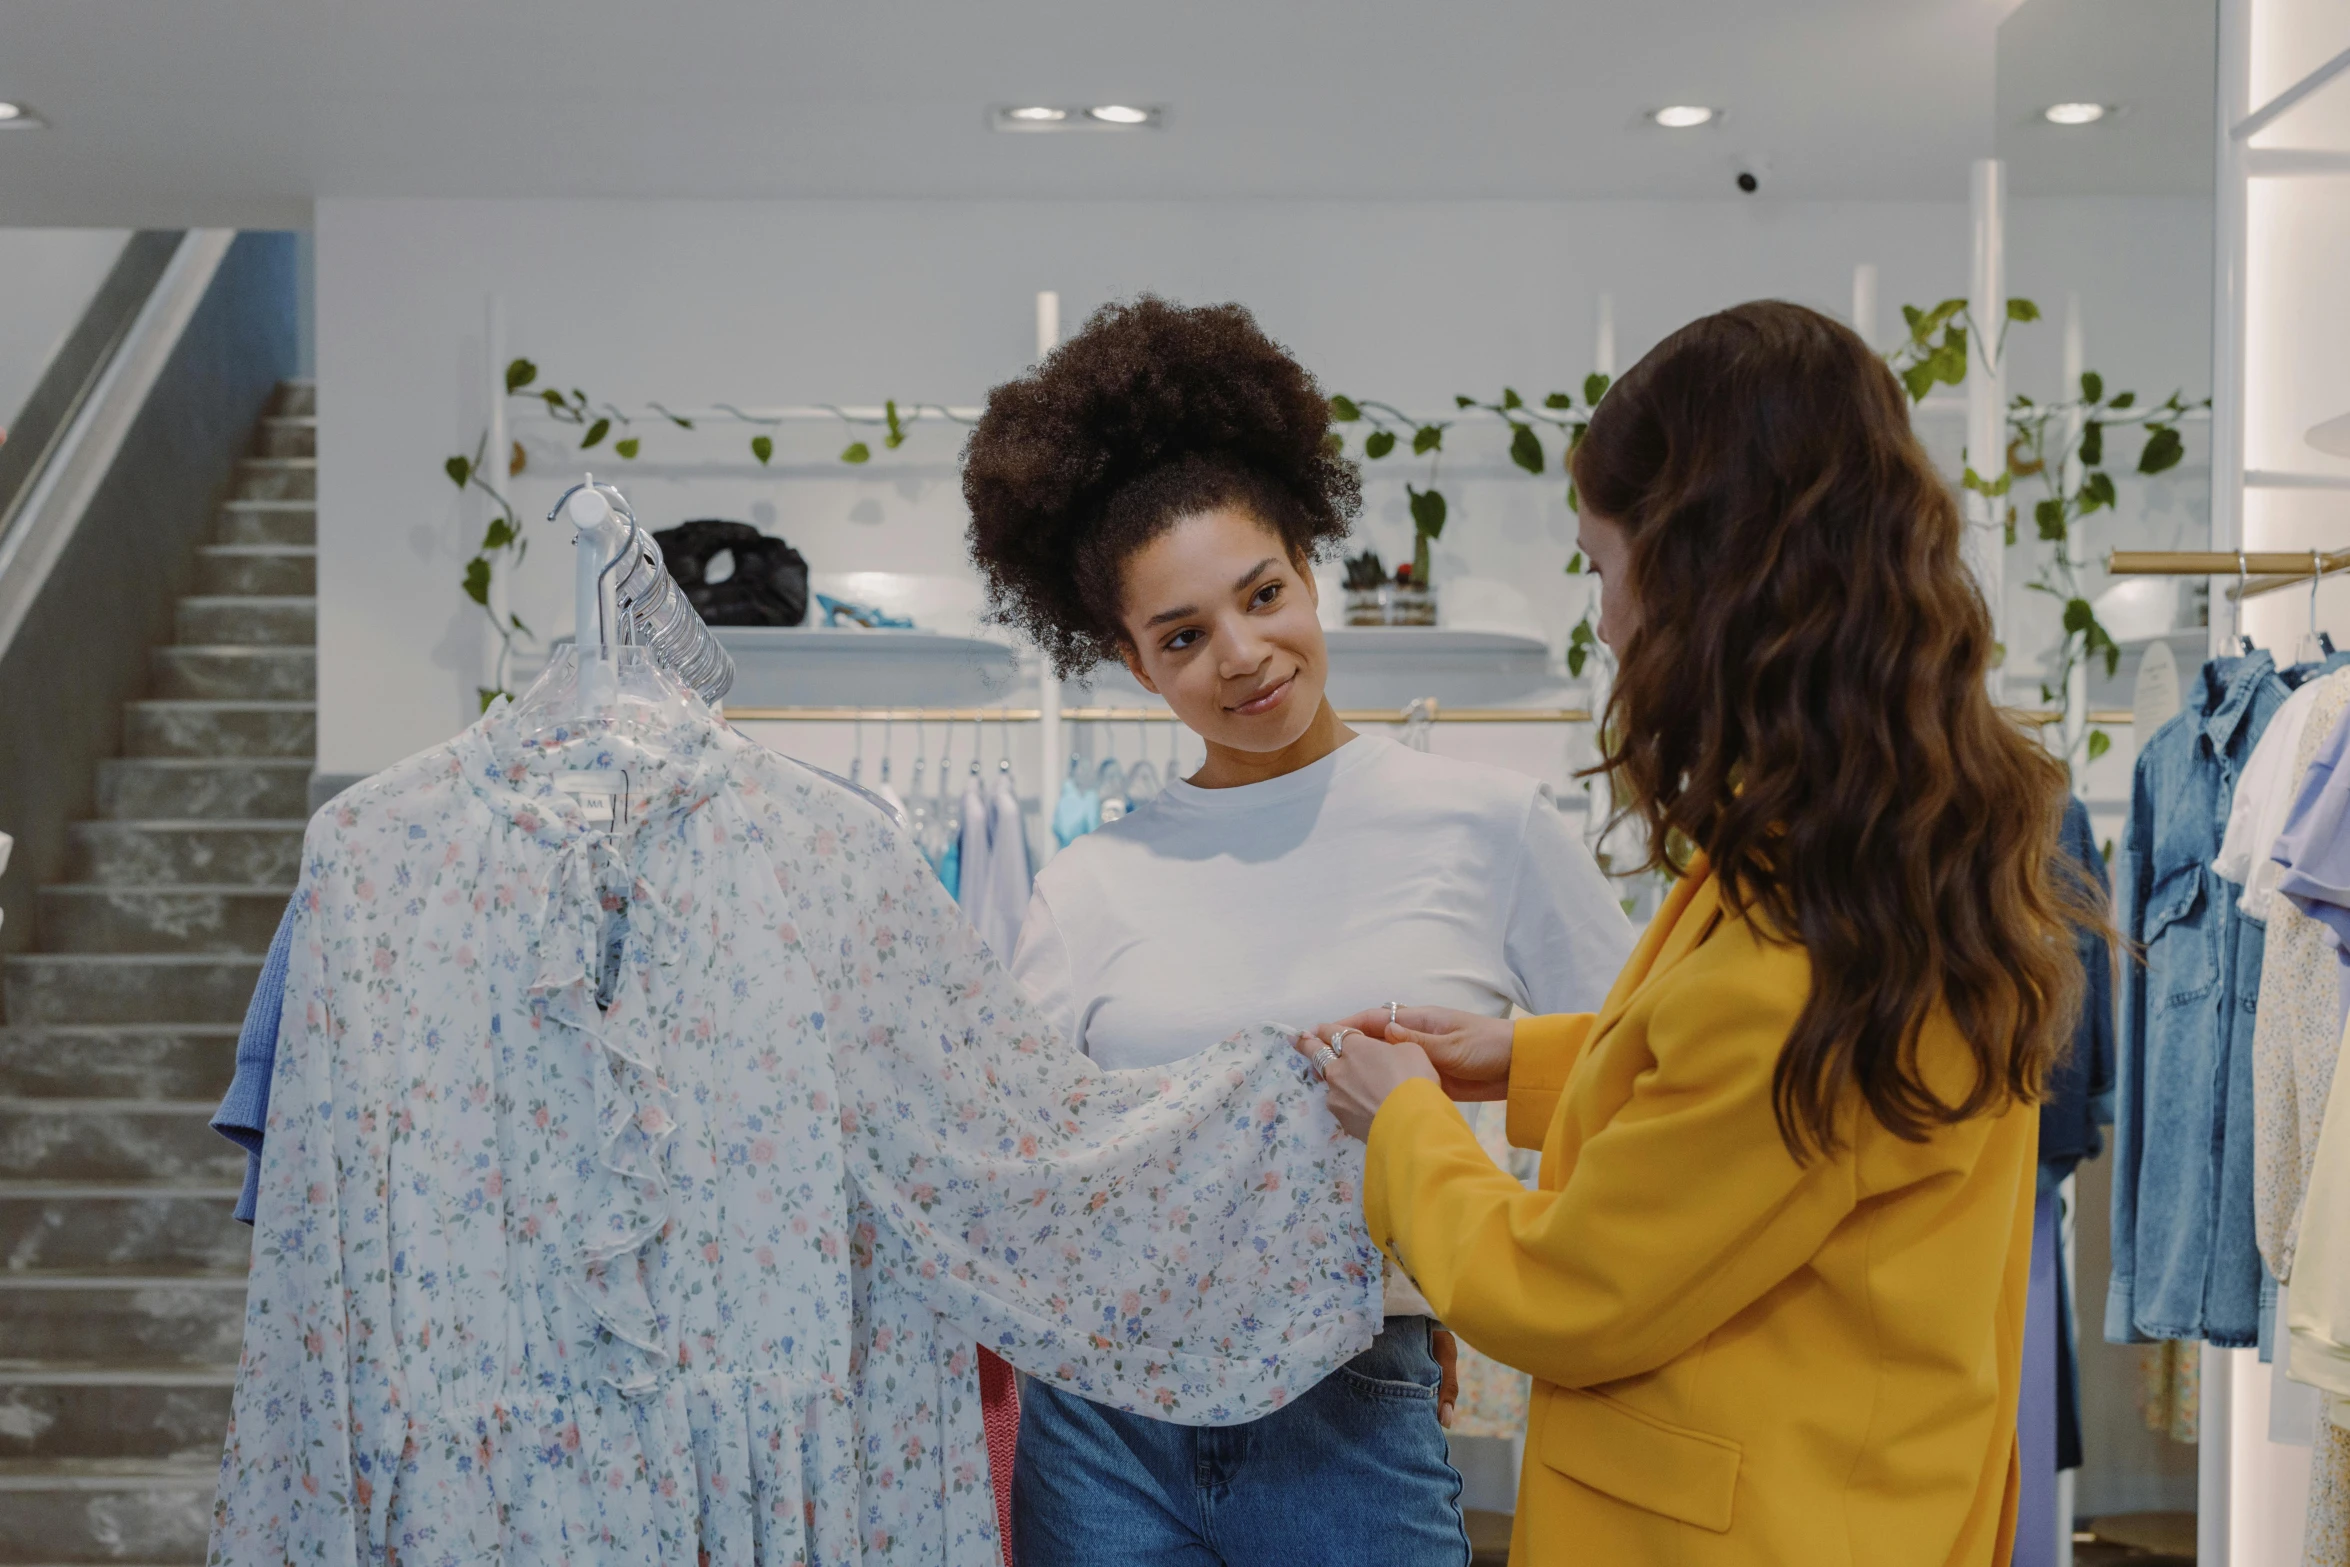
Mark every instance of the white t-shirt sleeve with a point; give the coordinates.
(1040, 962)
(2263, 799)
(1566, 937)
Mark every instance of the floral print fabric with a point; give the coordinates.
(637, 1195)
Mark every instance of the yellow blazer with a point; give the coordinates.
(1736, 1358)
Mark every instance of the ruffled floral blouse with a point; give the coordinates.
(638, 1195)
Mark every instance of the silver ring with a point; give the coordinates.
(1393, 1007)
(1322, 1059)
(1338, 1040)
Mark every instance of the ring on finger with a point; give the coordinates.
(1338, 1040)
(1322, 1058)
(1393, 1007)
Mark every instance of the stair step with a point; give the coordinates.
(143, 1515)
(247, 619)
(257, 673)
(286, 435)
(294, 399)
(268, 522)
(86, 917)
(53, 987)
(256, 569)
(112, 1420)
(235, 788)
(117, 1061)
(103, 1140)
(276, 479)
(162, 1321)
(185, 853)
(92, 1228)
(192, 728)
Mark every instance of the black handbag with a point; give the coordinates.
(768, 582)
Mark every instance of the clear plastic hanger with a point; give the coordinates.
(2243, 577)
(1142, 780)
(2315, 645)
(1111, 779)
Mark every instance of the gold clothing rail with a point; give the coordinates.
(2261, 571)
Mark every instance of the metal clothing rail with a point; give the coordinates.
(1435, 712)
(1431, 710)
(2257, 571)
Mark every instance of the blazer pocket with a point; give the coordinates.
(1686, 1475)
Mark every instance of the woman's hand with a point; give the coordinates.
(1359, 1080)
(1471, 1052)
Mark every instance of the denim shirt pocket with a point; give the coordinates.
(2182, 939)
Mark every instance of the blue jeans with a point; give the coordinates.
(1353, 1473)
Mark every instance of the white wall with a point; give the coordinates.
(47, 277)
(763, 303)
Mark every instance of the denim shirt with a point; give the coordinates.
(244, 1110)
(2079, 1097)
(2184, 1261)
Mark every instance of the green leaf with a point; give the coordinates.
(856, 451)
(488, 694)
(2048, 515)
(1526, 448)
(1345, 410)
(2078, 616)
(1580, 643)
(1918, 380)
(897, 432)
(596, 432)
(2022, 310)
(1378, 444)
(627, 448)
(519, 374)
(1511, 399)
(497, 536)
(1595, 387)
(551, 397)
(2097, 491)
(2163, 449)
(762, 447)
(1558, 400)
(1974, 481)
(1427, 511)
(1574, 501)
(1575, 564)
(1458, 401)
(2099, 743)
(2092, 444)
(1427, 438)
(2124, 399)
(477, 581)
(1333, 444)
(2092, 387)
(459, 470)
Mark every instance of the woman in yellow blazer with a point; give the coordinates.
(1771, 1286)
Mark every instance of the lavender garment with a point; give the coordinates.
(2314, 848)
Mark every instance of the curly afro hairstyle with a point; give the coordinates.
(1153, 413)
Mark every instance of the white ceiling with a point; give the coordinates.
(170, 112)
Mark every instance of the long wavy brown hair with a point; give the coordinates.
(1804, 700)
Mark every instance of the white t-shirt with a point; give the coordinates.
(1377, 874)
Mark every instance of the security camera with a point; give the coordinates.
(1749, 181)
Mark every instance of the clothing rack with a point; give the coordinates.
(2256, 571)
(1432, 710)
(1427, 708)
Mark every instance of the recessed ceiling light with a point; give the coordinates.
(2074, 113)
(1122, 114)
(1683, 116)
(17, 116)
(1036, 114)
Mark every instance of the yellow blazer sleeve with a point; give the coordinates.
(1542, 1054)
(1678, 1209)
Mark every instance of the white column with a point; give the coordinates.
(493, 340)
(2231, 224)
(1048, 684)
(1864, 302)
(2076, 686)
(1603, 345)
(1986, 391)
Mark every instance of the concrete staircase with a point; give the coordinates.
(121, 1273)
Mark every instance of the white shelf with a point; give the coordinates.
(787, 666)
(1438, 642)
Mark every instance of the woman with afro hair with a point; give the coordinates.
(1155, 493)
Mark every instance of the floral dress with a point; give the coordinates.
(637, 1195)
